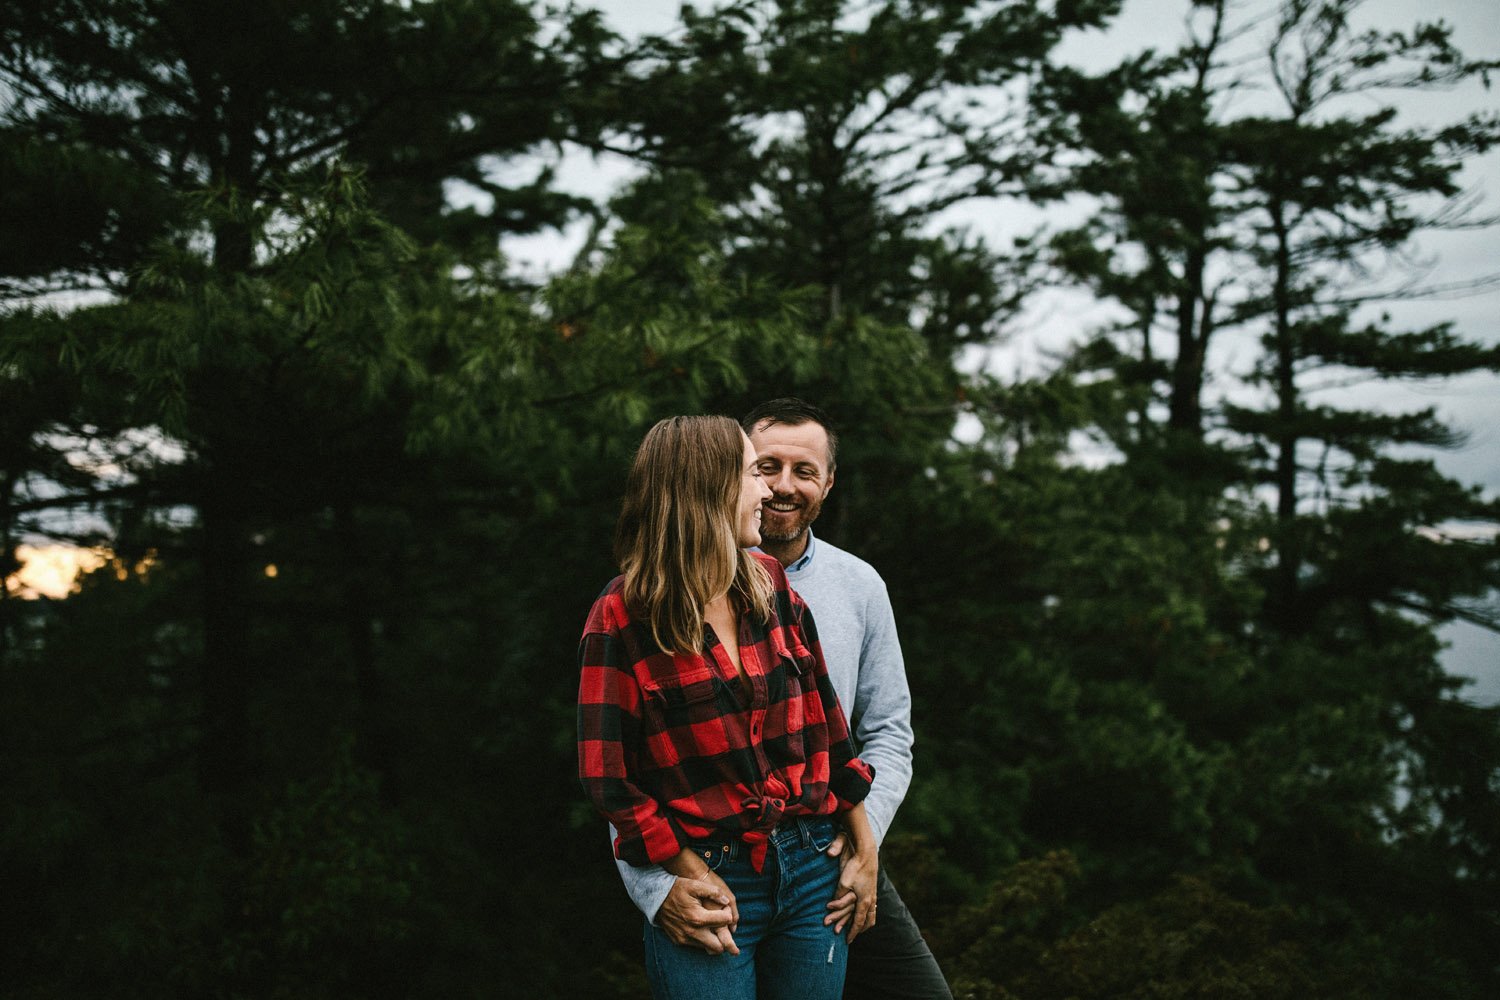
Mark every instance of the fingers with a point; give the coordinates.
(711, 919)
(727, 897)
(840, 909)
(708, 906)
(709, 892)
(692, 903)
(714, 940)
(701, 937)
(696, 919)
(840, 841)
(731, 917)
(841, 919)
(712, 934)
(864, 918)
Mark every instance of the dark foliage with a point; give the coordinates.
(306, 730)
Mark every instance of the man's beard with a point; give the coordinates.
(801, 519)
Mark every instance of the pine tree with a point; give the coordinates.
(1330, 194)
(1144, 140)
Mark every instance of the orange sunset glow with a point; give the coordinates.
(53, 570)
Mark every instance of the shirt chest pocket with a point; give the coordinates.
(682, 699)
(799, 689)
(796, 669)
(683, 720)
(802, 663)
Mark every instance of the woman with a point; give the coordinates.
(708, 731)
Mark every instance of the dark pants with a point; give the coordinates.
(890, 961)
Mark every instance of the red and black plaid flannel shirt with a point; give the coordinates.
(671, 749)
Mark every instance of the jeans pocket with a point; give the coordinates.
(715, 855)
(821, 832)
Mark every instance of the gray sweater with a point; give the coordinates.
(857, 631)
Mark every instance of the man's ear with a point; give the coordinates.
(828, 487)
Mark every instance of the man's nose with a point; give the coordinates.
(781, 483)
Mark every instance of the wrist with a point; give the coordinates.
(857, 828)
(686, 865)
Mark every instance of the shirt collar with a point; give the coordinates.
(807, 554)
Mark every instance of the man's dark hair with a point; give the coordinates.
(792, 411)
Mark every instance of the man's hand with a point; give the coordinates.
(701, 913)
(854, 902)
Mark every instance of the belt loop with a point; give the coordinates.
(803, 834)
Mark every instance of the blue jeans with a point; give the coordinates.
(785, 951)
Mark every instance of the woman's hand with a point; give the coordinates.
(700, 911)
(731, 904)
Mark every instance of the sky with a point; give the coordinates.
(1472, 403)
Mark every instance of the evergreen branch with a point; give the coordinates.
(137, 490)
(613, 384)
(1452, 290)
(1445, 610)
(903, 99)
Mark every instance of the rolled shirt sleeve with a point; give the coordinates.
(609, 722)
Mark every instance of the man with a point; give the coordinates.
(797, 452)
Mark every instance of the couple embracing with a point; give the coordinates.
(716, 672)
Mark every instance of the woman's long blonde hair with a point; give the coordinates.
(677, 538)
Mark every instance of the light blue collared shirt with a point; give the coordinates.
(807, 554)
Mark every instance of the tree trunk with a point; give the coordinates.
(1186, 414)
(1288, 546)
(372, 735)
(234, 242)
(225, 752)
(225, 520)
